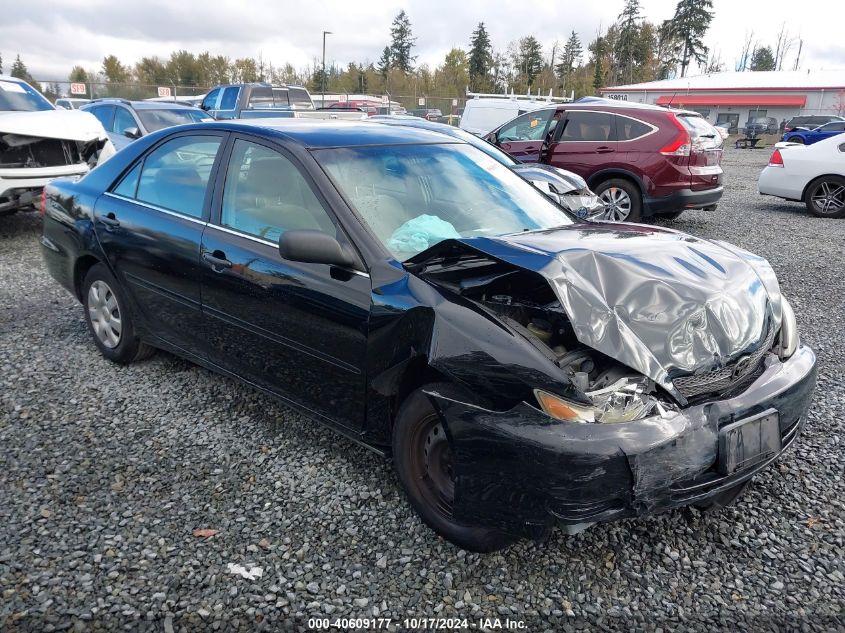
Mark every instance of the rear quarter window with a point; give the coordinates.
(628, 129)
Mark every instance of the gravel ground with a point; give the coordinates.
(107, 471)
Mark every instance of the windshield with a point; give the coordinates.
(21, 97)
(159, 119)
(414, 196)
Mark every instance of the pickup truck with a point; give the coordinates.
(263, 100)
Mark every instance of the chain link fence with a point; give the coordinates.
(132, 91)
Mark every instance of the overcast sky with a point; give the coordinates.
(54, 35)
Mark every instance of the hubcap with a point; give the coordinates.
(829, 197)
(104, 314)
(617, 204)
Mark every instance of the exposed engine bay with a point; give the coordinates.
(526, 302)
(18, 151)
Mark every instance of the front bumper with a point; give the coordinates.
(683, 199)
(522, 472)
(20, 186)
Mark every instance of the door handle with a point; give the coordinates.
(604, 150)
(110, 220)
(217, 260)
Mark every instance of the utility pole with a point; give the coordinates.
(323, 76)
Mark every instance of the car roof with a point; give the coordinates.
(323, 133)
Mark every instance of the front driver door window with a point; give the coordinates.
(297, 329)
(523, 137)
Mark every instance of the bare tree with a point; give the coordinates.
(748, 48)
(782, 46)
(798, 56)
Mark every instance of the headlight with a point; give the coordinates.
(561, 409)
(788, 331)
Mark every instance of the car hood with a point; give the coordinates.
(70, 125)
(660, 301)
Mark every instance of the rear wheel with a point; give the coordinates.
(622, 199)
(825, 197)
(108, 317)
(796, 139)
(423, 458)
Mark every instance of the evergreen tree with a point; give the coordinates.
(402, 41)
(666, 52)
(20, 71)
(78, 75)
(480, 58)
(627, 44)
(385, 62)
(530, 57)
(597, 48)
(763, 59)
(115, 72)
(690, 23)
(571, 57)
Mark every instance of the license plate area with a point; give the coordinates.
(747, 442)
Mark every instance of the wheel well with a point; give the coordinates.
(83, 265)
(814, 181)
(597, 179)
(417, 374)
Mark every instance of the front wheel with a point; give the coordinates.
(108, 317)
(825, 197)
(423, 458)
(622, 200)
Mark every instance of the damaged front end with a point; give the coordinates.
(566, 188)
(663, 352)
(37, 147)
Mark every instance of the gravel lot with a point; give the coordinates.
(106, 471)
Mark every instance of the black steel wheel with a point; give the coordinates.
(424, 462)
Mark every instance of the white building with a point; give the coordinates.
(733, 96)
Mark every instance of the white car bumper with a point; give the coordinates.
(14, 182)
(773, 182)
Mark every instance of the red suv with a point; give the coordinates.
(641, 160)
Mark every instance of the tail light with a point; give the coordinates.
(42, 207)
(681, 144)
(776, 160)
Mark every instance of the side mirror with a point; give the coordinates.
(314, 247)
(132, 132)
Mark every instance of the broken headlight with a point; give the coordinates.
(789, 339)
(627, 399)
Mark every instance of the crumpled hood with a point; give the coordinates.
(71, 125)
(657, 300)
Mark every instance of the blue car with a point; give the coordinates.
(808, 137)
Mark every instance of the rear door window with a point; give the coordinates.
(230, 98)
(595, 127)
(175, 175)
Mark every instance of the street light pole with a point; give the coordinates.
(323, 76)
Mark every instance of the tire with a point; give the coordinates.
(108, 317)
(796, 139)
(422, 457)
(825, 197)
(624, 200)
(724, 499)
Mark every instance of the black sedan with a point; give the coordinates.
(523, 369)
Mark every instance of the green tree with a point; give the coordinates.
(763, 59)
(690, 23)
(571, 57)
(151, 71)
(666, 50)
(385, 62)
(597, 48)
(402, 41)
(183, 69)
(480, 58)
(78, 75)
(1, 63)
(530, 58)
(453, 76)
(20, 71)
(245, 70)
(627, 47)
(114, 71)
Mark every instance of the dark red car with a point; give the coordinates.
(641, 160)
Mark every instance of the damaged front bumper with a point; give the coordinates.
(523, 472)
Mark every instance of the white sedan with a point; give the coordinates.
(813, 174)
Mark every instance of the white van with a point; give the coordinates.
(484, 113)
